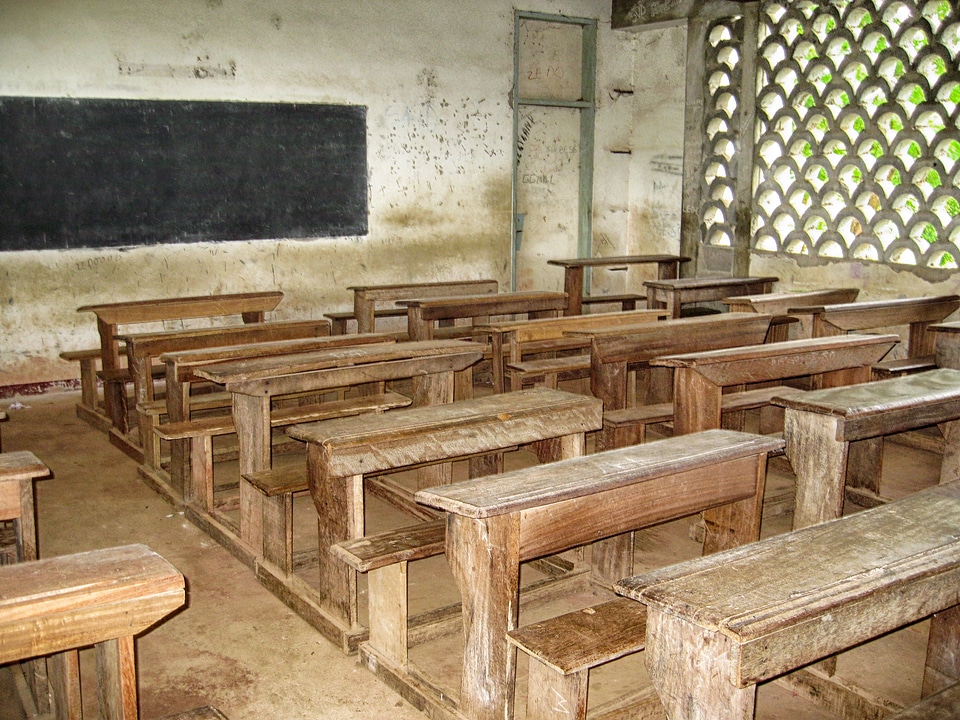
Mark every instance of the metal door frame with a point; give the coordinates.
(587, 107)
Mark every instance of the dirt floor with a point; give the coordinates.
(240, 649)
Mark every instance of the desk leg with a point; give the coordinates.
(363, 311)
(484, 557)
(339, 503)
(251, 415)
(942, 667)
(819, 462)
(950, 465)
(117, 679)
(573, 287)
(177, 410)
(691, 670)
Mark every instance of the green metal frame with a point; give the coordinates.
(587, 107)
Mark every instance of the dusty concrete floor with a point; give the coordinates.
(237, 647)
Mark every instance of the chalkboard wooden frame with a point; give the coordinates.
(111, 172)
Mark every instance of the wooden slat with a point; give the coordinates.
(138, 311)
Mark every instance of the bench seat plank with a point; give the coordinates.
(944, 705)
(582, 639)
(372, 552)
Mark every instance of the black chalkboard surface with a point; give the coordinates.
(107, 173)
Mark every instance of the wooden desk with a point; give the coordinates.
(342, 453)
(366, 297)
(781, 303)
(250, 306)
(181, 372)
(254, 382)
(422, 314)
(514, 334)
(668, 267)
(916, 313)
(821, 425)
(612, 353)
(716, 626)
(947, 344)
(672, 294)
(495, 523)
(103, 598)
(18, 470)
(144, 348)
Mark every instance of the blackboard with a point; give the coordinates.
(107, 173)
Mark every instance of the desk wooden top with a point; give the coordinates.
(772, 361)
(436, 432)
(21, 465)
(885, 405)
(427, 288)
(154, 343)
(780, 303)
(617, 260)
(602, 321)
(66, 602)
(832, 566)
(708, 282)
(463, 306)
(188, 359)
(266, 367)
(519, 490)
(897, 311)
(137, 311)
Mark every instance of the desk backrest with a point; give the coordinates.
(465, 306)
(411, 291)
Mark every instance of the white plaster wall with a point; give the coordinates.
(435, 76)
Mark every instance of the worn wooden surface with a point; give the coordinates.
(18, 470)
(422, 315)
(613, 353)
(180, 373)
(495, 523)
(779, 304)
(672, 294)
(915, 313)
(824, 428)
(668, 267)
(718, 625)
(341, 452)
(251, 307)
(366, 297)
(103, 598)
(511, 340)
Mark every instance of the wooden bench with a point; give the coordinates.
(782, 302)
(18, 470)
(251, 307)
(512, 340)
(718, 625)
(90, 407)
(104, 598)
(833, 437)
(673, 294)
(495, 523)
(368, 299)
(143, 350)
(340, 454)
(917, 314)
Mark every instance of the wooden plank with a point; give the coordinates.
(489, 497)
(138, 311)
(469, 427)
(60, 603)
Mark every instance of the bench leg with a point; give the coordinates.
(277, 526)
(64, 672)
(388, 612)
(690, 669)
(88, 384)
(865, 464)
(950, 465)
(942, 668)
(552, 695)
(199, 490)
(117, 679)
